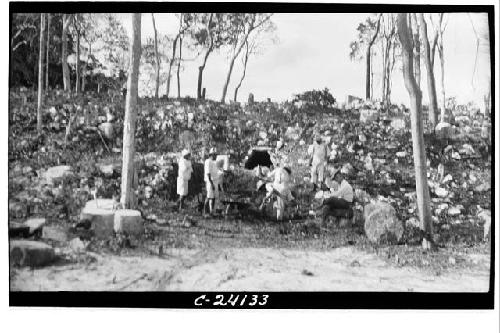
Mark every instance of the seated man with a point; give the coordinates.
(339, 200)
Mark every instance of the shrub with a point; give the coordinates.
(316, 98)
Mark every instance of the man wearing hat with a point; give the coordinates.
(342, 197)
(319, 152)
(210, 176)
(185, 171)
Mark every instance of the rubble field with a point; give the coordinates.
(54, 176)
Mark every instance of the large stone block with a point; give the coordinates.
(382, 223)
(128, 221)
(107, 130)
(56, 173)
(56, 233)
(367, 115)
(30, 253)
(445, 130)
(101, 215)
(35, 224)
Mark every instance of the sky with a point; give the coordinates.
(312, 52)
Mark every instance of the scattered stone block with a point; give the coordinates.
(382, 223)
(444, 130)
(107, 130)
(367, 115)
(101, 214)
(128, 221)
(486, 186)
(56, 173)
(18, 230)
(30, 253)
(55, 233)
(398, 123)
(35, 224)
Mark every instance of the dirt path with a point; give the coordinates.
(238, 269)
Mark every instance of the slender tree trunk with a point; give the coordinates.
(371, 76)
(245, 62)
(369, 60)
(389, 76)
(40, 74)
(431, 84)
(84, 70)
(157, 58)
(78, 83)
(368, 72)
(200, 73)
(127, 190)
(91, 72)
(423, 199)
(47, 55)
(443, 93)
(179, 69)
(64, 54)
(172, 60)
(231, 65)
(435, 40)
(416, 43)
(243, 41)
(387, 72)
(207, 53)
(228, 78)
(383, 72)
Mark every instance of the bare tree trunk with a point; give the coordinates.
(371, 81)
(368, 72)
(84, 70)
(383, 72)
(172, 60)
(435, 39)
(40, 74)
(245, 62)
(64, 54)
(157, 58)
(77, 86)
(369, 60)
(423, 199)
(226, 83)
(207, 53)
(387, 73)
(179, 69)
(230, 70)
(47, 55)
(389, 76)
(431, 84)
(127, 194)
(200, 73)
(443, 93)
(416, 43)
(237, 50)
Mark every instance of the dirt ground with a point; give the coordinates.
(238, 269)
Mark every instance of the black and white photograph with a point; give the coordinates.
(233, 156)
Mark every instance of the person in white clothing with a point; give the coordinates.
(319, 154)
(343, 196)
(210, 176)
(183, 176)
(281, 188)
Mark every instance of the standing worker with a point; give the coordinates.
(280, 187)
(210, 175)
(319, 152)
(184, 175)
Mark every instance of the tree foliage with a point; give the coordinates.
(316, 98)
